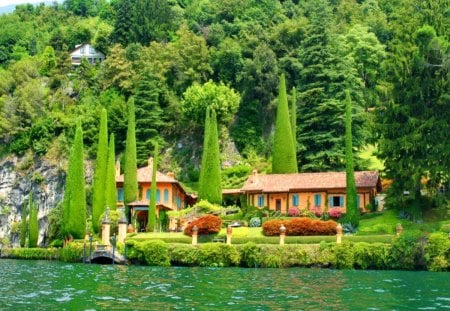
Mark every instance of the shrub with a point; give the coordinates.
(255, 222)
(335, 212)
(300, 226)
(404, 251)
(371, 256)
(183, 255)
(72, 252)
(218, 255)
(250, 255)
(293, 212)
(316, 210)
(154, 252)
(343, 256)
(445, 228)
(206, 225)
(30, 253)
(437, 252)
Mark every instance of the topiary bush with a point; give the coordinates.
(300, 226)
(218, 255)
(184, 255)
(206, 225)
(154, 252)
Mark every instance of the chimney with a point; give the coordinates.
(254, 176)
(171, 175)
(118, 168)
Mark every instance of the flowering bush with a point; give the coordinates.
(335, 212)
(317, 210)
(255, 222)
(300, 226)
(206, 225)
(293, 212)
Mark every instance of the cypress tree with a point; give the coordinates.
(23, 224)
(210, 184)
(284, 158)
(74, 206)
(33, 226)
(98, 196)
(130, 184)
(152, 203)
(110, 185)
(294, 118)
(352, 214)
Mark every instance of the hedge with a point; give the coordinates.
(300, 227)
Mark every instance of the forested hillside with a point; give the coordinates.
(176, 57)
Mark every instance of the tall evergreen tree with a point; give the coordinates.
(74, 205)
(148, 117)
(294, 118)
(324, 76)
(110, 184)
(98, 195)
(123, 25)
(33, 226)
(414, 122)
(152, 203)
(130, 184)
(210, 188)
(23, 223)
(284, 158)
(352, 214)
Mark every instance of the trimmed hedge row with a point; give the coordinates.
(73, 252)
(406, 252)
(300, 227)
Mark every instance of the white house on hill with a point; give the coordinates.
(86, 51)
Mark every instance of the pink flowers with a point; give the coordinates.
(335, 212)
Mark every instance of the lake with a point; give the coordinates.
(47, 285)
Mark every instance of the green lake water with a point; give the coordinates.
(46, 285)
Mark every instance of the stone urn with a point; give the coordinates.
(130, 228)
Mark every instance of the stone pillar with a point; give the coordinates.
(282, 234)
(194, 235)
(106, 227)
(399, 229)
(229, 234)
(122, 230)
(339, 234)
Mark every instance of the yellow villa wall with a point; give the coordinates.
(270, 199)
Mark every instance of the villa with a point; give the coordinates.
(280, 192)
(88, 52)
(170, 195)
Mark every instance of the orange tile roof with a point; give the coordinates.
(307, 181)
(144, 174)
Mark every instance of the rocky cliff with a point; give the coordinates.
(18, 178)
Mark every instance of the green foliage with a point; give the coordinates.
(152, 204)
(250, 255)
(72, 252)
(183, 255)
(210, 176)
(284, 159)
(110, 180)
(155, 253)
(101, 163)
(74, 205)
(130, 184)
(352, 210)
(31, 253)
(218, 97)
(33, 225)
(404, 251)
(218, 255)
(23, 224)
(163, 220)
(344, 256)
(437, 252)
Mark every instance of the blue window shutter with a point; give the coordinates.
(330, 201)
(295, 200)
(317, 200)
(158, 195)
(166, 195)
(148, 194)
(260, 200)
(120, 194)
(357, 200)
(341, 201)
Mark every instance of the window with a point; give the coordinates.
(91, 50)
(336, 201)
(120, 194)
(158, 195)
(317, 199)
(260, 200)
(166, 195)
(295, 200)
(82, 50)
(148, 194)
